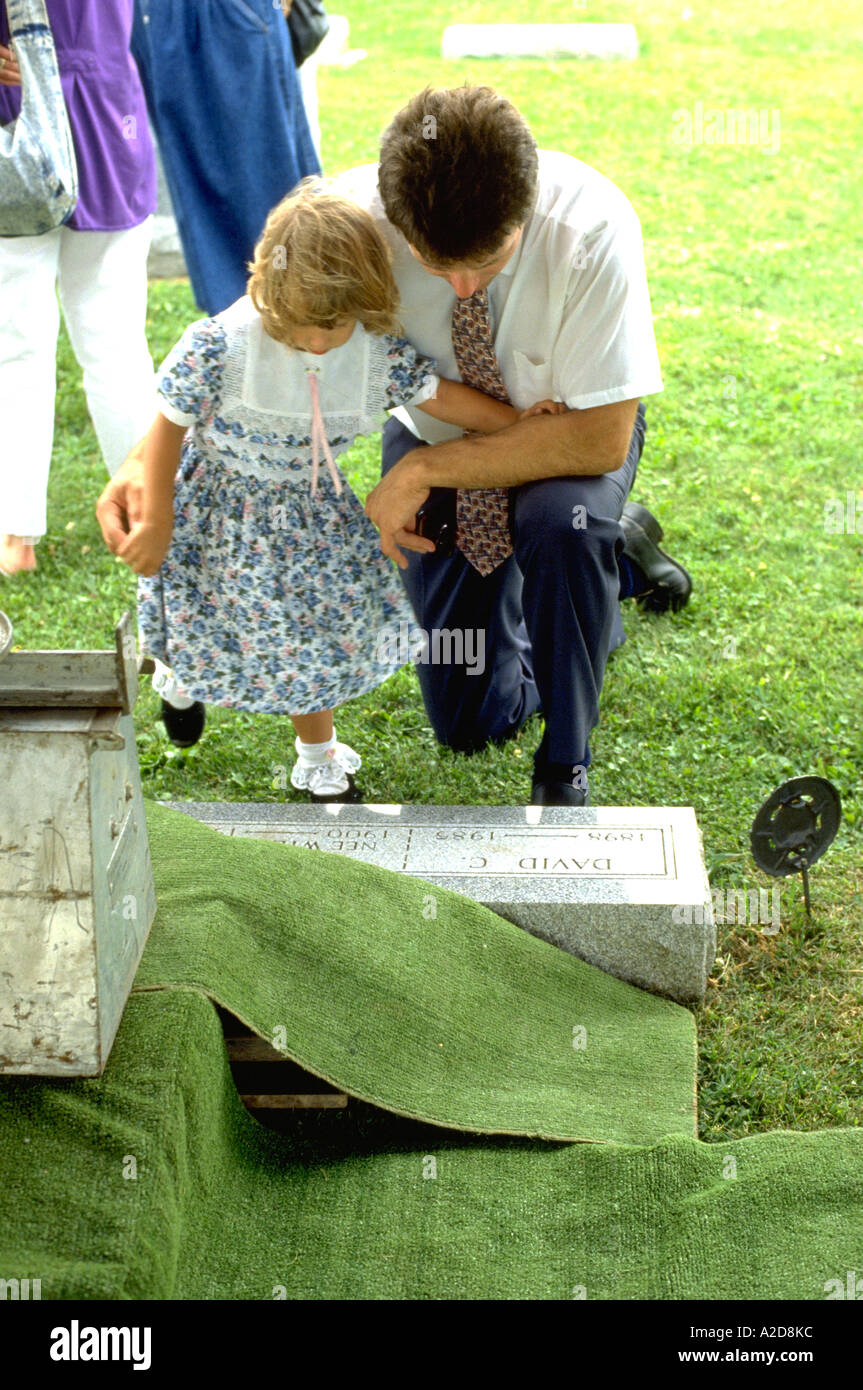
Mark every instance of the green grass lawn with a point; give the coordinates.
(754, 262)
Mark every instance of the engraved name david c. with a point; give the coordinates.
(564, 866)
(524, 851)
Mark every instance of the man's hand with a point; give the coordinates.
(146, 546)
(566, 443)
(393, 506)
(120, 507)
(10, 73)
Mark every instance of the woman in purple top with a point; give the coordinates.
(97, 262)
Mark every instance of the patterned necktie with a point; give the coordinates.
(482, 513)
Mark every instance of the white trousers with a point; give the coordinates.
(101, 279)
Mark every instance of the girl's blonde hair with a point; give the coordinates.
(321, 260)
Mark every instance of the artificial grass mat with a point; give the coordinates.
(364, 1206)
(154, 1182)
(457, 1019)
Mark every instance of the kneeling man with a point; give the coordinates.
(522, 271)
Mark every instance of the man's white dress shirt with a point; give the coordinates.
(570, 311)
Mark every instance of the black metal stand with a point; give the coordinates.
(794, 827)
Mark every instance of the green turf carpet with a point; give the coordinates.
(458, 1019)
(154, 1182)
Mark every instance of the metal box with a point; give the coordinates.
(77, 896)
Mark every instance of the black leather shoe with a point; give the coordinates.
(557, 794)
(670, 584)
(184, 726)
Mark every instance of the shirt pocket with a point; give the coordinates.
(533, 380)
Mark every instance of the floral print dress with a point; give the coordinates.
(271, 599)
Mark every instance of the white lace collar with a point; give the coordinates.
(275, 377)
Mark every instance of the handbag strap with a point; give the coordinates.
(42, 104)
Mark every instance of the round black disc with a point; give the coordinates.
(795, 825)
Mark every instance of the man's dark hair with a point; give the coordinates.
(458, 173)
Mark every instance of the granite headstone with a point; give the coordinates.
(622, 887)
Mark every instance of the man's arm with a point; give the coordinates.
(544, 446)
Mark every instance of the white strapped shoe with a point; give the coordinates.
(331, 780)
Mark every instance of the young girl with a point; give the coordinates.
(263, 586)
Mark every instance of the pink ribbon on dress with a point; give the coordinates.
(319, 438)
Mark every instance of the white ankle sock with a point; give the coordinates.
(314, 754)
(165, 684)
(324, 769)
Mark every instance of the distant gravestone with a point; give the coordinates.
(165, 260)
(624, 888)
(334, 51)
(539, 41)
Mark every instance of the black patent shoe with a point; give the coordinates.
(184, 726)
(555, 793)
(669, 583)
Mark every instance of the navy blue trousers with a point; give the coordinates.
(550, 613)
(225, 102)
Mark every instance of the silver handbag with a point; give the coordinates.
(38, 171)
